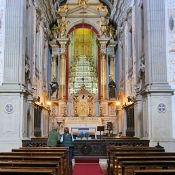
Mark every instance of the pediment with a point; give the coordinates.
(82, 10)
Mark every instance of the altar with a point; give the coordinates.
(83, 123)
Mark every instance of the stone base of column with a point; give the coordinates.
(103, 91)
(62, 92)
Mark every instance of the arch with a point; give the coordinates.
(88, 26)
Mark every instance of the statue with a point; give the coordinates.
(54, 87)
(141, 78)
(111, 31)
(62, 27)
(103, 27)
(82, 2)
(55, 31)
(101, 8)
(112, 87)
(63, 8)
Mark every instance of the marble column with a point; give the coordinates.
(111, 55)
(54, 65)
(103, 46)
(12, 83)
(103, 75)
(157, 101)
(138, 117)
(63, 61)
(62, 75)
(111, 59)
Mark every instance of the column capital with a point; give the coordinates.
(54, 57)
(111, 56)
(103, 42)
(63, 42)
(55, 47)
(63, 55)
(103, 55)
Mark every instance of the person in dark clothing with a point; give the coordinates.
(53, 137)
(67, 141)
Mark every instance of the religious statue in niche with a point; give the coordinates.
(141, 77)
(54, 88)
(63, 8)
(103, 26)
(101, 8)
(54, 31)
(112, 87)
(62, 27)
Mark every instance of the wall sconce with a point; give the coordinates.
(117, 103)
(48, 104)
(117, 106)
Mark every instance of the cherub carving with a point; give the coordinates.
(63, 8)
(101, 8)
(111, 31)
(62, 27)
(54, 31)
(103, 26)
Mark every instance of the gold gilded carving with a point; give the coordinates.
(82, 109)
(62, 27)
(111, 32)
(101, 8)
(84, 2)
(62, 55)
(103, 55)
(83, 43)
(63, 8)
(103, 26)
(55, 31)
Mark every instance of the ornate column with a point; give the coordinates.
(111, 56)
(62, 75)
(63, 62)
(111, 59)
(103, 42)
(54, 64)
(103, 75)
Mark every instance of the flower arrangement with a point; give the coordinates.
(83, 134)
(86, 134)
(80, 135)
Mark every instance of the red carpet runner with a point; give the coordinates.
(87, 169)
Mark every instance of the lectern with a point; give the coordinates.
(100, 128)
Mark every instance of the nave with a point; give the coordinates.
(120, 160)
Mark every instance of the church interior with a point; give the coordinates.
(103, 68)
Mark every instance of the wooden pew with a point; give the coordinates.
(153, 172)
(60, 154)
(30, 165)
(112, 149)
(26, 172)
(121, 159)
(54, 150)
(44, 159)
